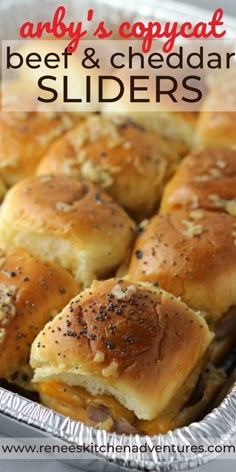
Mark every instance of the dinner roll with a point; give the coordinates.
(177, 127)
(32, 291)
(2, 189)
(210, 382)
(216, 124)
(121, 156)
(225, 337)
(191, 254)
(209, 386)
(122, 339)
(70, 76)
(26, 135)
(70, 222)
(216, 129)
(205, 179)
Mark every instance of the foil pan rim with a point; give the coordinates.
(220, 424)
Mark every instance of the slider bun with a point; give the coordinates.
(164, 117)
(26, 135)
(32, 291)
(191, 254)
(121, 156)
(178, 127)
(205, 179)
(125, 339)
(216, 125)
(75, 73)
(68, 222)
(216, 128)
(2, 189)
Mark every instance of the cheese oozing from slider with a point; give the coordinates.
(205, 179)
(124, 342)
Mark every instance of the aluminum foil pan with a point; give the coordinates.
(219, 427)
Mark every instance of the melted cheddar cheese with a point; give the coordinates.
(74, 401)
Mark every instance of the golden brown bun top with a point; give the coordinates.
(124, 338)
(205, 179)
(25, 135)
(120, 156)
(216, 128)
(32, 291)
(66, 207)
(75, 73)
(191, 254)
(175, 127)
(165, 117)
(2, 189)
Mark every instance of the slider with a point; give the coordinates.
(205, 179)
(121, 156)
(67, 221)
(121, 356)
(216, 124)
(58, 78)
(26, 135)
(192, 254)
(169, 119)
(32, 292)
